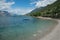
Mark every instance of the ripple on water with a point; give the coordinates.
(22, 28)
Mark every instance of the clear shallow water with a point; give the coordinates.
(22, 28)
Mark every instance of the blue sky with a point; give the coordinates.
(22, 7)
(23, 3)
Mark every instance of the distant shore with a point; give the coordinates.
(55, 33)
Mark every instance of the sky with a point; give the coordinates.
(21, 7)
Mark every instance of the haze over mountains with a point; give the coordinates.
(6, 13)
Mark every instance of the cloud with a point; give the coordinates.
(19, 11)
(42, 3)
(7, 6)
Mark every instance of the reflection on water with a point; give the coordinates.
(22, 28)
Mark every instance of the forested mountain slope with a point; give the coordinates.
(52, 10)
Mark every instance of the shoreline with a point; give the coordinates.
(44, 18)
(55, 32)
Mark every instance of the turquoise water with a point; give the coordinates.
(22, 28)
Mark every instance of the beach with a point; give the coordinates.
(55, 33)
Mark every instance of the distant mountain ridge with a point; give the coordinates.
(4, 13)
(37, 9)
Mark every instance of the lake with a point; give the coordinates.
(23, 27)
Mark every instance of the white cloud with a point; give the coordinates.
(42, 3)
(7, 6)
(19, 11)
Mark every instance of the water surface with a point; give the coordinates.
(22, 28)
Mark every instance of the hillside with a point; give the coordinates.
(52, 10)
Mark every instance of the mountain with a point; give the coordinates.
(52, 10)
(37, 9)
(4, 13)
